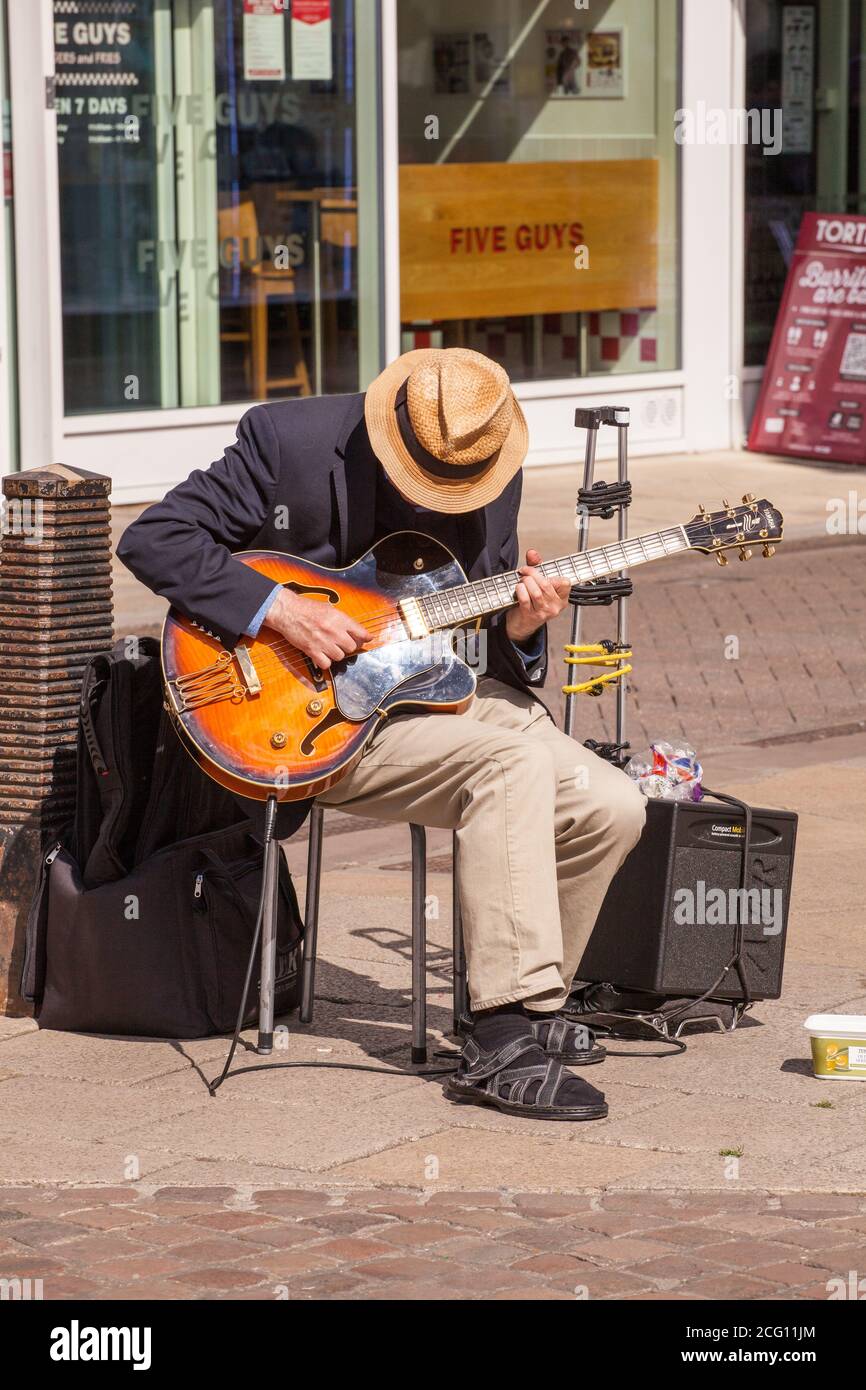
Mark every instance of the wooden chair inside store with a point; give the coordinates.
(338, 228)
(261, 283)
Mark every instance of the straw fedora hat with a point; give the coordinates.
(446, 428)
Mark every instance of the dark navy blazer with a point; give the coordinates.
(302, 478)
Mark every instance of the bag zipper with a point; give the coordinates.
(30, 937)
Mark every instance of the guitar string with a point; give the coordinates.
(656, 538)
(380, 621)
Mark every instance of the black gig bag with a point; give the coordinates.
(145, 910)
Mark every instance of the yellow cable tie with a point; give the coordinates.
(599, 657)
(601, 680)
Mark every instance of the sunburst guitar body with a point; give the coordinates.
(263, 720)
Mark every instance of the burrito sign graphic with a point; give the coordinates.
(813, 397)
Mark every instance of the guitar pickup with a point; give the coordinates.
(248, 670)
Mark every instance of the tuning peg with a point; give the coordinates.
(702, 511)
(721, 559)
(748, 498)
(767, 551)
(745, 553)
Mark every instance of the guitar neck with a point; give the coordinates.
(461, 604)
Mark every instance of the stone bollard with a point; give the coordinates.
(55, 613)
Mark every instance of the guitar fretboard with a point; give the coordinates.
(447, 607)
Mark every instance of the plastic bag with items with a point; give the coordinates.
(668, 772)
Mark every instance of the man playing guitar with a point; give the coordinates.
(434, 446)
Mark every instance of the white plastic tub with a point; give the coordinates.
(838, 1046)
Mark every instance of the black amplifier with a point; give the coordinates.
(668, 922)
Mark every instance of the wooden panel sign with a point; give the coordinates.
(480, 240)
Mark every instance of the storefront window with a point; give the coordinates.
(215, 200)
(807, 61)
(538, 182)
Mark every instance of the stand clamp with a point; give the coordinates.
(600, 592)
(602, 498)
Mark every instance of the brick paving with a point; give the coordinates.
(377, 1244)
(798, 663)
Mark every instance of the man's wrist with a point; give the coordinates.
(263, 613)
(516, 631)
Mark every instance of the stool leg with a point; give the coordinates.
(461, 995)
(311, 914)
(270, 869)
(419, 943)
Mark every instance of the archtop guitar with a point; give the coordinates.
(263, 720)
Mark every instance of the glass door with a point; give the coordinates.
(806, 61)
(219, 193)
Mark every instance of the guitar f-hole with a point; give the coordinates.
(308, 742)
(312, 590)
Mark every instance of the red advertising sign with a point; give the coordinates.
(311, 11)
(813, 396)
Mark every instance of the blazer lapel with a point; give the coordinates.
(353, 483)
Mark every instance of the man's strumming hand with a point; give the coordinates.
(538, 600)
(322, 631)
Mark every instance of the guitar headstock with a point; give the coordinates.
(751, 523)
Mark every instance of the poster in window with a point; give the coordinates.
(798, 78)
(311, 41)
(579, 64)
(490, 69)
(563, 67)
(605, 68)
(264, 41)
(451, 66)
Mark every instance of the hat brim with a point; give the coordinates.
(422, 488)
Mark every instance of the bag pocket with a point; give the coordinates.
(226, 894)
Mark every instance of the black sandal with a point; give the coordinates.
(489, 1078)
(572, 1043)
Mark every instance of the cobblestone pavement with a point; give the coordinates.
(220, 1243)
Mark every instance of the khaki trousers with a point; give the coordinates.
(542, 826)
